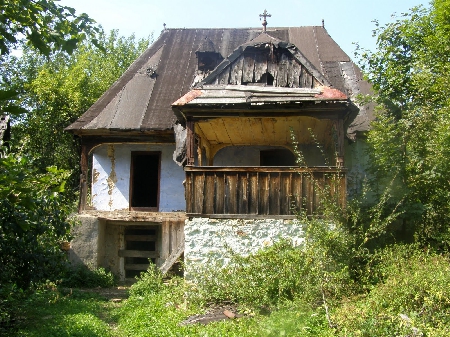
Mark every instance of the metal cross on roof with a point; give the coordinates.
(264, 15)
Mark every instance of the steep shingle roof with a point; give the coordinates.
(141, 98)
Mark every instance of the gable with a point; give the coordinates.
(266, 61)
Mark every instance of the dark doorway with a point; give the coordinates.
(144, 185)
(140, 245)
(278, 157)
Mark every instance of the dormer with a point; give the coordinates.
(264, 61)
(207, 56)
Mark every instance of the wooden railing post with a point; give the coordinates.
(257, 191)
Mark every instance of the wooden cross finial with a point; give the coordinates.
(264, 15)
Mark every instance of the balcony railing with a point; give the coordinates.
(247, 192)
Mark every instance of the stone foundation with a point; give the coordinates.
(207, 239)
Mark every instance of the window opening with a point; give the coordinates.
(266, 79)
(278, 157)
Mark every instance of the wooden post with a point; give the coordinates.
(190, 142)
(200, 153)
(165, 242)
(83, 177)
(340, 135)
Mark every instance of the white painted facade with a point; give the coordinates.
(111, 168)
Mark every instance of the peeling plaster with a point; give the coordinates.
(112, 178)
(95, 176)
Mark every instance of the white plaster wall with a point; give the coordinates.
(210, 239)
(111, 177)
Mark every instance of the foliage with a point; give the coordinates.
(410, 138)
(33, 222)
(413, 299)
(43, 24)
(81, 276)
(261, 280)
(57, 91)
(149, 282)
(32, 226)
(157, 308)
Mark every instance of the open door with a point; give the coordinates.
(144, 184)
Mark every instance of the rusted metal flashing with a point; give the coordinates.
(190, 96)
(331, 94)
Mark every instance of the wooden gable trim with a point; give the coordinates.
(240, 55)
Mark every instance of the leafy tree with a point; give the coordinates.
(43, 24)
(57, 90)
(33, 222)
(410, 138)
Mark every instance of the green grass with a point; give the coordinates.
(53, 313)
(56, 313)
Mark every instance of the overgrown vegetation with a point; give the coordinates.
(67, 62)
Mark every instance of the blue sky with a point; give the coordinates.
(347, 21)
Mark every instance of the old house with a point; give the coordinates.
(192, 149)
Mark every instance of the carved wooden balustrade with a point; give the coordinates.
(249, 192)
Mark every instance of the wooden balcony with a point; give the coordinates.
(253, 192)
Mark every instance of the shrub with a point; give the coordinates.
(413, 299)
(149, 282)
(81, 276)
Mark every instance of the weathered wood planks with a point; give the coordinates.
(261, 190)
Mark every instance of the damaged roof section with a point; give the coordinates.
(248, 100)
(141, 99)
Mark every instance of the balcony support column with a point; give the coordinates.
(190, 142)
(338, 126)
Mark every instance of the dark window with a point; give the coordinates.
(266, 79)
(278, 157)
(145, 167)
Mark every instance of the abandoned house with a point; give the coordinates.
(192, 149)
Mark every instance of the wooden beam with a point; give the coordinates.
(138, 253)
(148, 238)
(137, 266)
(174, 256)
